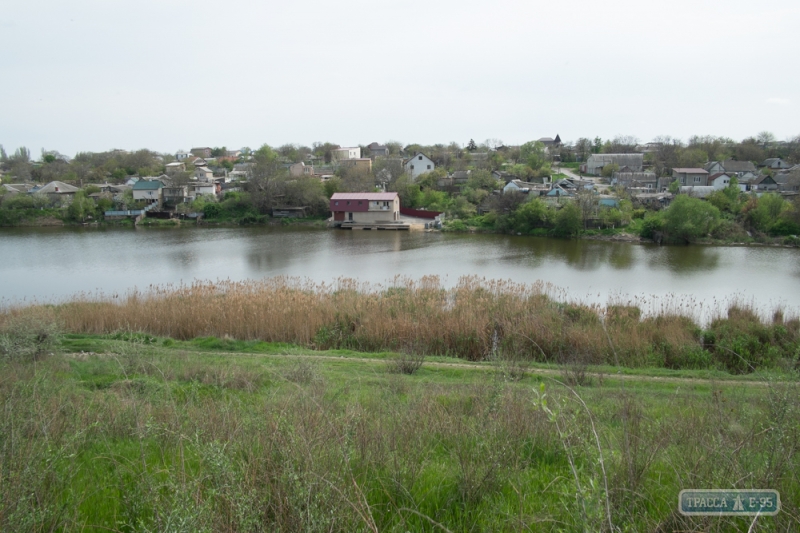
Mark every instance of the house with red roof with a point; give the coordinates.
(365, 208)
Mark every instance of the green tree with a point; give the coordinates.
(609, 169)
(568, 221)
(472, 146)
(531, 215)
(688, 219)
(81, 207)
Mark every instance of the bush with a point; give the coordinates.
(688, 219)
(568, 221)
(28, 335)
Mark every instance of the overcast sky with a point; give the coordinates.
(91, 75)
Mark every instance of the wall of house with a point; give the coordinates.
(417, 167)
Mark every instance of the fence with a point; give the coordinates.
(418, 213)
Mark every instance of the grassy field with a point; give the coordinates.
(135, 432)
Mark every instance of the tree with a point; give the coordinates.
(568, 221)
(81, 207)
(674, 187)
(666, 155)
(531, 215)
(688, 219)
(598, 145)
(471, 147)
(583, 147)
(533, 154)
(609, 169)
(357, 179)
(265, 179)
(621, 144)
(587, 203)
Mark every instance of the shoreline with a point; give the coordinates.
(622, 237)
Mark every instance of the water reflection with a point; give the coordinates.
(58, 262)
(685, 260)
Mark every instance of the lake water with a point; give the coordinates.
(54, 263)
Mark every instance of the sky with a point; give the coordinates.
(93, 75)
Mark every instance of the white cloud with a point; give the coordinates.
(779, 101)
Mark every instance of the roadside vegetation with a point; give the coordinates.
(129, 431)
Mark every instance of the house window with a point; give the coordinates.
(412, 167)
(359, 202)
(336, 203)
(697, 179)
(683, 182)
(420, 158)
(348, 202)
(429, 167)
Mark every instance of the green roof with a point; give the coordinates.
(143, 185)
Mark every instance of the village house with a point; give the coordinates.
(174, 167)
(788, 182)
(742, 169)
(174, 195)
(635, 180)
(340, 154)
(378, 150)
(525, 187)
(301, 169)
(693, 177)
(549, 142)
(200, 188)
(626, 163)
(57, 190)
(203, 174)
(418, 165)
(203, 151)
(502, 175)
(148, 190)
(720, 180)
(365, 207)
(764, 184)
(776, 163)
(359, 162)
(182, 155)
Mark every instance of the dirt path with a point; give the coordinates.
(532, 371)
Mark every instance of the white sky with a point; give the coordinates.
(91, 75)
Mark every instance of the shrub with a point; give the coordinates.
(28, 335)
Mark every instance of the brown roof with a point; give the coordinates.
(690, 170)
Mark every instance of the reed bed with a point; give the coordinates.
(473, 320)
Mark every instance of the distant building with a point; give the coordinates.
(301, 169)
(626, 163)
(203, 151)
(181, 155)
(418, 165)
(149, 190)
(691, 177)
(378, 150)
(175, 166)
(360, 162)
(365, 207)
(203, 174)
(339, 154)
(739, 168)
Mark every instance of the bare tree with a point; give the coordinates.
(265, 179)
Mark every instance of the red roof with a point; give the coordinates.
(373, 196)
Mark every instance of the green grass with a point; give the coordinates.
(133, 432)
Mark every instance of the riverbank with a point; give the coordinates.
(147, 432)
(476, 320)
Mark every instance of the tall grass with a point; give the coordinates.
(143, 441)
(472, 320)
